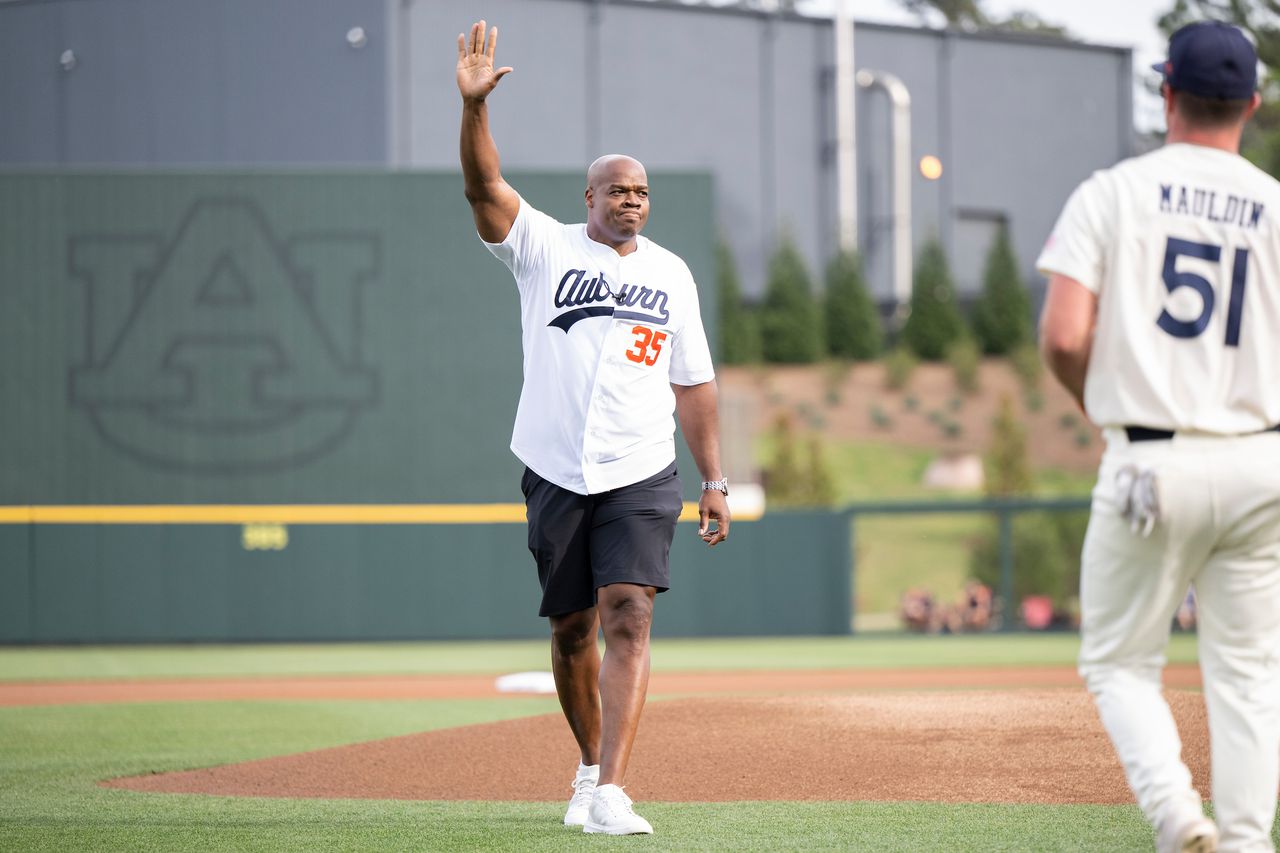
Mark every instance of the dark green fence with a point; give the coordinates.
(785, 574)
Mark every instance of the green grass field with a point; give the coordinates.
(51, 757)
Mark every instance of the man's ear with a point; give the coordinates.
(588, 196)
(1253, 105)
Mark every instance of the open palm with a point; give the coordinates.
(476, 74)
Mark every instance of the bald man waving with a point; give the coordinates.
(613, 344)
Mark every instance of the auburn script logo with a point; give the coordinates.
(222, 348)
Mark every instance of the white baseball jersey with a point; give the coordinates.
(605, 336)
(1182, 248)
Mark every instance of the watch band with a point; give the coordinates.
(716, 486)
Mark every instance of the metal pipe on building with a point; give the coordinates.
(900, 98)
(846, 129)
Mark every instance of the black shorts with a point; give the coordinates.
(584, 542)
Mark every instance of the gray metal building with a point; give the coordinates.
(749, 97)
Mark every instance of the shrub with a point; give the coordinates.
(1002, 315)
(965, 359)
(935, 322)
(853, 323)
(789, 481)
(1008, 470)
(835, 376)
(899, 364)
(791, 326)
(1027, 365)
(821, 484)
(782, 475)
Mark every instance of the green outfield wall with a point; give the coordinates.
(785, 574)
(271, 338)
(182, 342)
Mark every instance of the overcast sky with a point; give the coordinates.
(1124, 23)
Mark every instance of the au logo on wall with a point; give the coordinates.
(224, 346)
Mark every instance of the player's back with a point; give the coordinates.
(1188, 330)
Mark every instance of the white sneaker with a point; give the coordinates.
(1187, 833)
(611, 814)
(584, 788)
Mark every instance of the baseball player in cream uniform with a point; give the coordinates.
(1163, 319)
(613, 343)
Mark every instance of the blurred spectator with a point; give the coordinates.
(976, 607)
(1186, 617)
(918, 610)
(973, 611)
(1037, 612)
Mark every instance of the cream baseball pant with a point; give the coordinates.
(1219, 529)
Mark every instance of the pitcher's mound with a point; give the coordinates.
(1025, 746)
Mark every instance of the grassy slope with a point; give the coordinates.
(896, 553)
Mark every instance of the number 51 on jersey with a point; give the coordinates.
(1174, 279)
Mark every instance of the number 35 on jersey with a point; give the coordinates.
(647, 345)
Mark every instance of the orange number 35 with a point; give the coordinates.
(647, 346)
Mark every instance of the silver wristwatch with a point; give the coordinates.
(716, 486)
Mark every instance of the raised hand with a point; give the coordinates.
(476, 74)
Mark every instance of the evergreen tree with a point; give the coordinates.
(739, 328)
(1002, 317)
(970, 15)
(853, 323)
(791, 327)
(935, 322)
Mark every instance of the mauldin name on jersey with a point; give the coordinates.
(1211, 205)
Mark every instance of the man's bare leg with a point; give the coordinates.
(575, 663)
(626, 613)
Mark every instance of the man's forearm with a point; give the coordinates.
(1070, 367)
(1066, 332)
(698, 411)
(481, 166)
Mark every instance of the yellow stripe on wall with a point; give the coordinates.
(284, 514)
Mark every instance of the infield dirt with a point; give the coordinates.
(1029, 745)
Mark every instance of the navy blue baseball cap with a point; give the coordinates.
(1211, 59)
